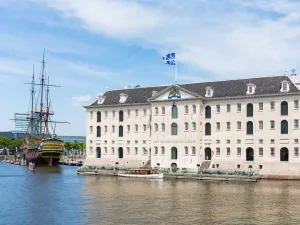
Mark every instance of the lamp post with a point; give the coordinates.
(198, 165)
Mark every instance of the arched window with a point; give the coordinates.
(186, 126)
(174, 112)
(250, 110)
(284, 127)
(163, 111)
(186, 150)
(249, 154)
(249, 127)
(174, 128)
(186, 109)
(121, 116)
(98, 131)
(98, 116)
(207, 112)
(120, 153)
(156, 150)
(207, 129)
(163, 127)
(156, 111)
(207, 154)
(120, 131)
(98, 152)
(155, 127)
(174, 153)
(194, 126)
(284, 154)
(284, 109)
(194, 109)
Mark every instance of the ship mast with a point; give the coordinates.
(42, 95)
(32, 107)
(47, 113)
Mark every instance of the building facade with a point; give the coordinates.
(245, 124)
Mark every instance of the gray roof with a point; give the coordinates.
(227, 88)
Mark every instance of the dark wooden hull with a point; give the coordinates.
(34, 157)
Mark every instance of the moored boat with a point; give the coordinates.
(142, 173)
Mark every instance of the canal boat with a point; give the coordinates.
(141, 173)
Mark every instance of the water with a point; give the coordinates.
(58, 196)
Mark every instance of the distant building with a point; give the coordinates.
(72, 138)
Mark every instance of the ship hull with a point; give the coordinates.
(34, 157)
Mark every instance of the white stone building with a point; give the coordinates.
(224, 125)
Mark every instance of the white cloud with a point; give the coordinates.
(227, 38)
(83, 98)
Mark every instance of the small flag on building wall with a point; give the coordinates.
(170, 59)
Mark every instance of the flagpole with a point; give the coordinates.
(176, 73)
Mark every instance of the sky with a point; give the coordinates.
(92, 45)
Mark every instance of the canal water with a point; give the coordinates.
(56, 195)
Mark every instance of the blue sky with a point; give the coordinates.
(94, 44)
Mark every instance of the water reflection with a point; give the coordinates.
(56, 195)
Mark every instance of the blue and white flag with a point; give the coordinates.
(170, 59)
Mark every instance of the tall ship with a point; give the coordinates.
(41, 146)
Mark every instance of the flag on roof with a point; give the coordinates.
(170, 59)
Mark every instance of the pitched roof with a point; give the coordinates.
(227, 88)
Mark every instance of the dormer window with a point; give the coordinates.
(209, 92)
(285, 86)
(100, 98)
(154, 93)
(123, 98)
(250, 89)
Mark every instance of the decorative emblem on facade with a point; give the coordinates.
(174, 93)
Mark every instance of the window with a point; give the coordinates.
(128, 112)
(105, 150)
(228, 141)
(193, 150)
(250, 89)
(163, 110)
(136, 142)
(239, 107)
(217, 141)
(145, 152)
(112, 150)
(209, 92)
(249, 154)
(285, 87)
(128, 151)
(272, 124)
(296, 141)
(261, 106)
(296, 104)
(238, 141)
(218, 108)
(194, 126)
(272, 141)
(128, 128)
(113, 113)
(284, 127)
(163, 127)
(162, 150)
(238, 151)
(249, 127)
(218, 151)
(136, 112)
(174, 112)
(186, 150)
(207, 112)
(174, 128)
(174, 153)
(155, 127)
(105, 129)
(120, 131)
(156, 111)
(260, 125)
(296, 124)
(250, 110)
(272, 105)
(156, 150)
(136, 128)
(91, 129)
(194, 109)
(272, 152)
(112, 142)
(239, 125)
(98, 152)
(228, 107)
(207, 129)
(186, 126)
(145, 127)
(121, 116)
(128, 142)
(136, 151)
(113, 129)
(261, 152)
(186, 109)
(296, 152)
(260, 141)
(228, 126)
(98, 131)
(98, 116)
(284, 109)
(218, 126)
(228, 151)
(145, 112)
(144, 141)
(284, 154)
